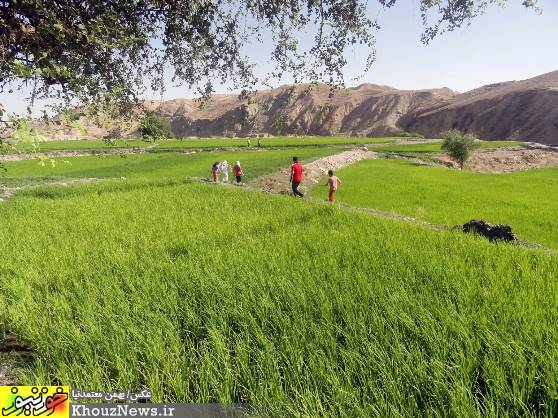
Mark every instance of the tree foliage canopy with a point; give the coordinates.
(93, 49)
(459, 145)
(154, 127)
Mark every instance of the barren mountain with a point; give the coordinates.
(304, 109)
(525, 109)
(287, 110)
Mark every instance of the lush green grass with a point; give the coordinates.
(204, 143)
(156, 165)
(436, 147)
(203, 293)
(526, 200)
(212, 294)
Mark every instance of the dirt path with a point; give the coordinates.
(408, 142)
(89, 153)
(57, 154)
(8, 193)
(279, 182)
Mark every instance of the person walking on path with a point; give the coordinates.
(296, 176)
(333, 182)
(248, 142)
(259, 142)
(224, 169)
(215, 171)
(237, 171)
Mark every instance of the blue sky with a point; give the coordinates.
(512, 43)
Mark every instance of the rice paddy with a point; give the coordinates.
(203, 293)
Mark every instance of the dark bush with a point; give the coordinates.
(154, 127)
(492, 232)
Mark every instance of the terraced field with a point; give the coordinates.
(526, 200)
(206, 293)
(152, 165)
(195, 143)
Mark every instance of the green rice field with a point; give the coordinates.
(202, 143)
(198, 293)
(154, 165)
(202, 293)
(526, 200)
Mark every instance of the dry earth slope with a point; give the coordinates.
(306, 109)
(303, 109)
(526, 109)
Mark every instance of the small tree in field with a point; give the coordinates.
(459, 145)
(154, 127)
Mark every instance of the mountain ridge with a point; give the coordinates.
(524, 109)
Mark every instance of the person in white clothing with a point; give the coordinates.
(224, 169)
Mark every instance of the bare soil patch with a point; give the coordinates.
(279, 182)
(14, 355)
(6, 194)
(506, 160)
(7, 371)
(408, 142)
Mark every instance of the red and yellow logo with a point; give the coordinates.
(53, 401)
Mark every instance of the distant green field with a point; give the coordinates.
(526, 200)
(203, 293)
(97, 144)
(157, 165)
(436, 147)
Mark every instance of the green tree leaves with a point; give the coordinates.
(458, 145)
(88, 49)
(154, 127)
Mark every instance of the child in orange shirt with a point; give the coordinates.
(333, 182)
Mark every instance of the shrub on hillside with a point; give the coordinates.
(459, 145)
(155, 127)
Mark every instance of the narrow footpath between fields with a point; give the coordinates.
(21, 156)
(9, 192)
(313, 172)
(278, 183)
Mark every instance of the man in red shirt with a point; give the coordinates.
(296, 176)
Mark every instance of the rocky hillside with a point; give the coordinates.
(525, 110)
(303, 109)
(287, 110)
